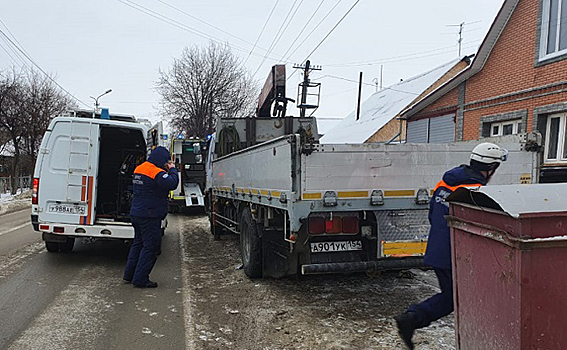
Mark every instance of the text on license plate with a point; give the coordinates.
(67, 209)
(341, 246)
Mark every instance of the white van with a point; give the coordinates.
(82, 186)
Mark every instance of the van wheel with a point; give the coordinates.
(52, 247)
(250, 245)
(67, 247)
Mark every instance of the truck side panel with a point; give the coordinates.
(266, 166)
(401, 167)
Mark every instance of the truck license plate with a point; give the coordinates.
(341, 246)
(67, 209)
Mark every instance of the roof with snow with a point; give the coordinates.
(383, 106)
(325, 124)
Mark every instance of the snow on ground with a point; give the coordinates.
(10, 203)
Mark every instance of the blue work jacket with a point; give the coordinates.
(438, 253)
(151, 185)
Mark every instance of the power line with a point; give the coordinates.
(328, 34)
(12, 34)
(289, 22)
(315, 28)
(40, 69)
(177, 24)
(274, 41)
(373, 85)
(303, 29)
(21, 63)
(332, 29)
(262, 31)
(209, 24)
(445, 49)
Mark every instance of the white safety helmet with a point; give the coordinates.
(487, 156)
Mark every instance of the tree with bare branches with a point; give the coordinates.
(203, 84)
(28, 101)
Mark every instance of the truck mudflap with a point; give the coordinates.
(361, 266)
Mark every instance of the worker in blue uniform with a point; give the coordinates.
(484, 160)
(152, 182)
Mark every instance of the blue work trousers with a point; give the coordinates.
(440, 304)
(144, 250)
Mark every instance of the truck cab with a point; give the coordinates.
(189, 155)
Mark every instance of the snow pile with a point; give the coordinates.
(10, 203)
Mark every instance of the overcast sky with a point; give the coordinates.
(92, 46)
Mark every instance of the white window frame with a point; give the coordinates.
(543, 55)
(515, 126)
(561, 139)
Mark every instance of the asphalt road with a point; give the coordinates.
(16, 231)
(78, 300)
(204, 301)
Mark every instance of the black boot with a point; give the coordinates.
(406, 326)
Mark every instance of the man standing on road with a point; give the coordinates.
(152, 182)
(484, 160)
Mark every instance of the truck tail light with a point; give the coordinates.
(316, 225)
(334, 226)
(35, 190)
(350, 224)
(58, 229)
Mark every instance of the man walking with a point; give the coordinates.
(484, 160)
(152, 182)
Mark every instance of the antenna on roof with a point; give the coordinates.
(461, 25)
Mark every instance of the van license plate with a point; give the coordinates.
(67, 209)
(341, 246)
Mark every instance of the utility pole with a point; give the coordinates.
(359, 96)
(306, 70)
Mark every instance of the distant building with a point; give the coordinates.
(378, 121)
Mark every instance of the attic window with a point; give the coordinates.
(553, 29)
(509, 127)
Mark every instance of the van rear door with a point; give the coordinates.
(156, 137)
(67, 187)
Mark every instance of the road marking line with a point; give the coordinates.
(15, 228)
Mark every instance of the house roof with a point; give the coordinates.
(478, 63)
(325, 124)
(383, 106)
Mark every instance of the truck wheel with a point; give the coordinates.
(52, 247)
(67, 247)
(250, 245)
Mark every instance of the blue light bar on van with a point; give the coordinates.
(104, 114)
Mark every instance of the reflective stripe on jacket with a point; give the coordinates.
(438, 253)
(151, 186)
